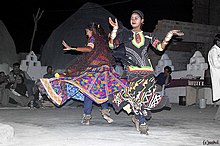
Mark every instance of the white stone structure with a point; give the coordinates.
(164, 61)
(195, 68)
(193, 33)
(197, 65)
(33, 67)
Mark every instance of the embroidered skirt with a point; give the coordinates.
(96, 83)
(140, 95)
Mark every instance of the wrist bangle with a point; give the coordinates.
(114, 30)
(168, 36)
(170, 32)
(165, 42)
(113, 35)
(72, 48)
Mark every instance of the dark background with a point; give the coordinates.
(18, 16)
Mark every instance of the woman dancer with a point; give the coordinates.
(90, 78)
(140, 97)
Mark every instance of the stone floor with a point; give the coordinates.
(182, 125)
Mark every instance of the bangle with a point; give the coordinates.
(113, 35)
(72, 48)
(168, 36)
(114, 30)
(165, 42)
(115, 27)
(170, 32)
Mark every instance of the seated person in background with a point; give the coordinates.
(49, 73)
(27, 79)
(35, 95)
(16, 91)
(32, 90)
(3, 79)
(3, 82)
(17, 71)
(164, 78)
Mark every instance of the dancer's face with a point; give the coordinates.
(88, 32)
(49, 70)
(136, 21)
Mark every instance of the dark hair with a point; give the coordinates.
(49, 66)
(141, 14)
(96, 29)
(16, 64)
(22, 78)
(168, 68)
(216, 38)
(101, 48)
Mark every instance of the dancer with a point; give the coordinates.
(89, 78)
(140, 97)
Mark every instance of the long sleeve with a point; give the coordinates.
(214, 58)
(155, 42)
(123, 35)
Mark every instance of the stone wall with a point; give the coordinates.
(197, 37)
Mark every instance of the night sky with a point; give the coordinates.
(18, 16)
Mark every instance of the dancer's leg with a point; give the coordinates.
(87, 111)
(106, 112)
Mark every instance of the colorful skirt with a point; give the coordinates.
(141, 94)
(96, 83)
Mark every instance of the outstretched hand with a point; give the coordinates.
(177, 32)
(112, 23)
(67, 47)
